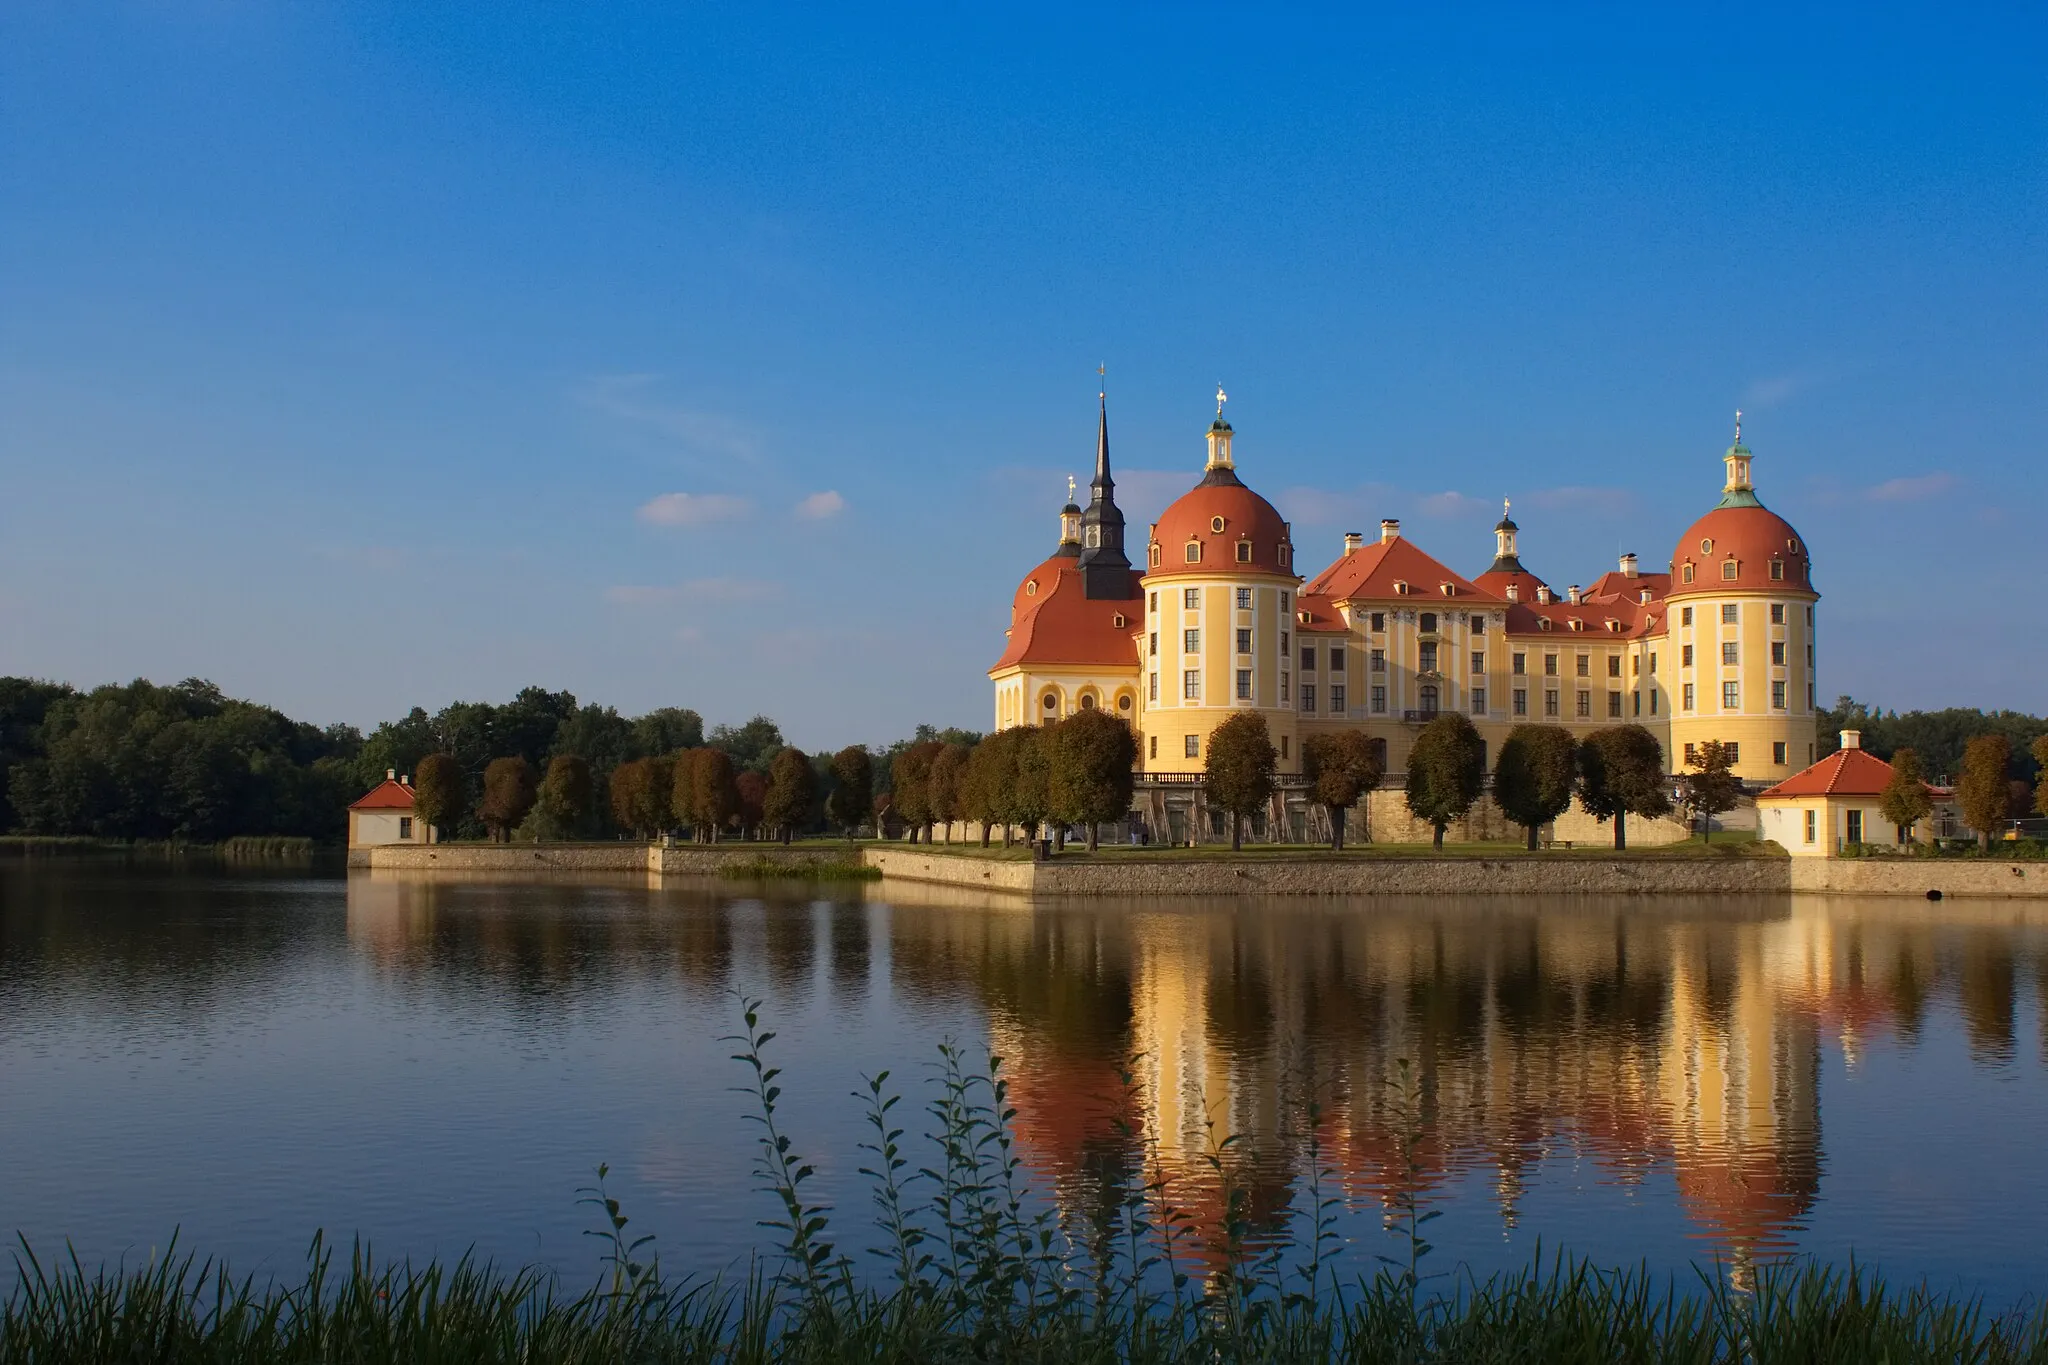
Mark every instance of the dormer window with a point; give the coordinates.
(1613, 625)
(1194, 552)
(1729, 568)
(1577, 624)
(1401, 587)
(1545, 622)
(1244, 552)
(1157, 557)
(1777, 571)
(1031, 587)
(1117, 620)
(1216, 525)
(1448, 589)
(1685, 575)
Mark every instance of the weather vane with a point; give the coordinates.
(1221, 398)
(1070, 488)
(1102, 377)
(1738, 426)
(1504, 505)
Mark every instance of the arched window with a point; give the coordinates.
(1194, 552)
(1729, 569)
(1088, 701)
(1428, 697)
(1244, 552)
(1686, 573)
(1428, 623)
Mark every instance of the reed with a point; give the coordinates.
(969, 1266)
(762, 867)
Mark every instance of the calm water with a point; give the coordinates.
(436, 1065)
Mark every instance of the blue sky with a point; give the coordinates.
(363, 356)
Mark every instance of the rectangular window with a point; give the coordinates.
(1636, 708)
(1155, 644)
(1191, 685)
(1284, 693)
(1728, 616)
(1778, 653)
(1379, 701)
(1244, 599)
(1653, 701)
(1478, 661)
(1729, 570)
(1244, 642)
(1685, 656)
(1191, 642)
(1478, 701)
(1809, 656)
(1191, 598)
(1478, 624)
(1152, 746)
(1811, 822)
(1521, 701)
(1283, 746)
(1809, 696)
(1155, 688)
(1585, 706)
(1550, 665)
(1244, 684)
(1584, 664)
(1733, 750)
(1685, 702)
(1614, 706)
(1428, 663)
(1809, 616)
(1337, 659)
(1731, 696)
(1379, 621)
(1337, 700)
(1777, 571)
(1614, 665)
(1778, 753)
(1685, 616)
(1308, 658)
(1308, 696)
(1635, 666)
(1153, 602)
(1191, 745)
(1777, 613)
(1653, 663)
(1520, 665)
(1730, 654)
(1376, 660)
(405, 827)
(1550, 705)
(1283, 645)
(1777, 696)
(1692, 755)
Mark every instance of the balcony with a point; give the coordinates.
(1423, 717)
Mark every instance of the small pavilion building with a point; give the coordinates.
(1816, 812)
(384, 815)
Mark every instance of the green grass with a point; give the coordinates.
(241, 848)
(763, 867)
(1722, 846)
(971, 1267)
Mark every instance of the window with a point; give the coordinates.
(1216, 525)
(1191, 642)
(1733, 750)
(1191, 745)
(1777, 613)
(1636, 708)
(1810, 823)
(1809, 655)
(1244, 642)
(1284, 685)
(1614, 665)
(1244, 552)
(1379, 701)
(1731, 696)
(1728, 614)
(1088, 702)
(1191, 684)
(1190, 599)
(1685, 616)
(1244, 599)
(1521, 665)
(1478, 701)
(1337, 700)
(1550, 665)
(1154, 695)
(1653, 663)
(1428, 699)
(1777, 696)
(1244, 684)
(1777, 571)
(1729, 569)
(1730, 652)
(1193, 553)
(1685, 703)
(1155, 644)
(1809, 699)
(1283, 746)
(1521, 701)
(1653, 701)
(1379, 621)
(1051, 702)
(1308, 658)
(1686, 575)
(1428, 663)
(1376, 660)
(405, 827)
(1477, 624)
(1154, 555)
(1614, 706)
(1585, 706)
(1778, 753)
(1636, 666)
(1283, 646)
(1428, 623)
(1692, 755)
(1584, 665)
(1283, 601)
(1685, 656)
(1809, 616)
(1152, 603)
(1152, 746)
(1550, 704)
(1337, 659)
(1478, 661)
(1778, 653)
(1308, 696)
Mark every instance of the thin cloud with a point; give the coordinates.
(1913, 488)
(1354, 507)
(1450, 504)
(630, 400)
(821, 506)
(699, 591)
(692, 509)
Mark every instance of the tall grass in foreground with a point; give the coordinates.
(969, 1267)
(761, 867)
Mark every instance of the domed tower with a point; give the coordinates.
(1219, 589)
(1738, 661)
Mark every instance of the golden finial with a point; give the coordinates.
(1504, 504)
(1221, 398)
(1102, 381)
(1070, 488)
(1738, 426)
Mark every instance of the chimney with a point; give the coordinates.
(1643, 596)
(405, 781)
(391, 774)
(1514, 592)
(1353, 540)
(1852, 739)
(1389, 529)
(1543, 595)
(1573, 593)
(1628, 566)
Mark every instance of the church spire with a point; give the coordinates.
(1105, 568)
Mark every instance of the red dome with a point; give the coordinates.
(1218, 514)
(1755, 539)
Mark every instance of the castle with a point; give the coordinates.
(1216, 618)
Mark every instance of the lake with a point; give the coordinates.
(440, 1065)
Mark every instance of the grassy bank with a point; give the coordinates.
(242, 848)
(765, 867)
(966, 1263)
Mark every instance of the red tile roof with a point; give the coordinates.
(1846, 772)
(1371, 571)
(1052, 622)
(1314, 613)
(389, 794)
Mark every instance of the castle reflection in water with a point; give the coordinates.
(1641, 1036)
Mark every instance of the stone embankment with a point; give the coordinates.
(675, 860)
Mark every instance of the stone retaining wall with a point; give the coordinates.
(676, 860)
(1918, 876)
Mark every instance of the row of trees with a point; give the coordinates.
(1078, 772)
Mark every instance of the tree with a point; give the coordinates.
(981, 786)
(1982, 791)
(1446, 773)
(1905, 800)
(1621, 773)
(752, 789)
(792, 792)
(1339, 769)
(1533, 777)
(1089, 772)
(1240, 770)
(713, 790)
(853, 788)
(910, 783)
(563, 806)
(943, 783)
(668, 730)
(2040, 751)
(1713, 788)
(629, 783)
(509, 793)
(753, 745)
(1030, 801)
(437, 795)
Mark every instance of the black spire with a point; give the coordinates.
(1105, 568)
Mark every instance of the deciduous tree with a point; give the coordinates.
(437, 796)
(1240, 769)
(1534, 774)
(1712, 787)
(2040, 751)
(752, 815)
(980, 793)
(1031, 793)
(792, 792)
(1339, 768)
(563, 808)
(509, 792)
(628, 794)
(1621, 773)
(714, 791)
(1905, 801)
(853, 788)
(1089, 770)
(943, 783)
(1982, 790)
(1446, 773)
(910, 783)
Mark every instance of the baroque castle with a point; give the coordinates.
(1217, 617)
